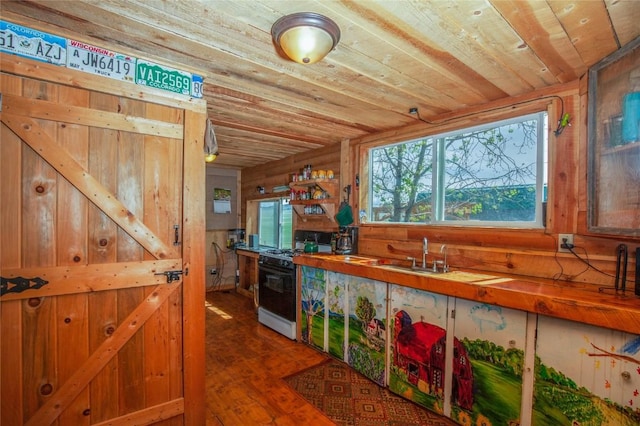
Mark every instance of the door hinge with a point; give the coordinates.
(173, 275)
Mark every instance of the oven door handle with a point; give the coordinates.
(272, 270)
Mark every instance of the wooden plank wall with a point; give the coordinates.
(222, 258)
(278, 173)
(218, 225)
(528, 253)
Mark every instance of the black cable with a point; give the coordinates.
(571, 277)
(586, 261)
(560, 274)
(589, 265)
(216, 279)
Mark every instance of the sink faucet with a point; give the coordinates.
(443, 249)
(425, 251)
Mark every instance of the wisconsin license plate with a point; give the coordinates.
(97, 60)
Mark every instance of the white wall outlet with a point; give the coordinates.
(565, 239)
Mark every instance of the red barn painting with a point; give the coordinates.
(419, 351)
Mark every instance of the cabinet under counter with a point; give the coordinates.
(248, 270)
(473, 361)
(571, 301)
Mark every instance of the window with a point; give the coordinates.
(494, 174)
(275, 223)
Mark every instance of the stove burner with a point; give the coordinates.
(284, 253)
(278, 257)
(280, 252)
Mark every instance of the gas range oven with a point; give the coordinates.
(277, 283)
(277, 291)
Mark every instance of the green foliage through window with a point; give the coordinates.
(275, 223)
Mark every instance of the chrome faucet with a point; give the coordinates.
(443, 249)
(425, 251)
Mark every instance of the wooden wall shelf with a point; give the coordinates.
(328, 205)
(270, 195)
(329, 208)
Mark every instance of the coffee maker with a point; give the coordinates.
(347, 242)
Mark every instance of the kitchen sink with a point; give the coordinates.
(390, 264)
(405, 266)
(370, 261)
(352, 258)
(409, 269)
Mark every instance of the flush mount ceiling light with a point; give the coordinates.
(305, 37)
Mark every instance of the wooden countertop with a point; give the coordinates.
(250, 252)
(571, 301)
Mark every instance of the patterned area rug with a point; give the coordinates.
(349, 398)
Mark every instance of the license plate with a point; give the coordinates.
(96, 60)
(164, 78)
(197, 82)
(33, 44)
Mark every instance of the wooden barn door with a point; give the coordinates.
(97, 325)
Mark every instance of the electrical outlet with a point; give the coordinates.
(567, 241)
(213, 271)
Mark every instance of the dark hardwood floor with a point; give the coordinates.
(246, 362)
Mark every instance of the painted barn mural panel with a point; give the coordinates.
(367, 307)
(488, 364)
(336, 307)
(417, 323)
(313, 290)
(585, 375)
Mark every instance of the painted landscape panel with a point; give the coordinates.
(417, 329)
(585, 375)
(367, 307)
(313, 295)
(488, 363)
(336, 302)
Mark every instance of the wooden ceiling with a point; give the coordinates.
(439, 56)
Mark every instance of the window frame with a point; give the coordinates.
(280, 202)
(539, 112)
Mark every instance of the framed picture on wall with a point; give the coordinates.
(221, 200)
(614, 143)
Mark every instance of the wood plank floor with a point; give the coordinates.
(246, 362)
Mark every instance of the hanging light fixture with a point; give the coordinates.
(210, 143)
(305, 37)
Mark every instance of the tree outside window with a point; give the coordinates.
(492, 174)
